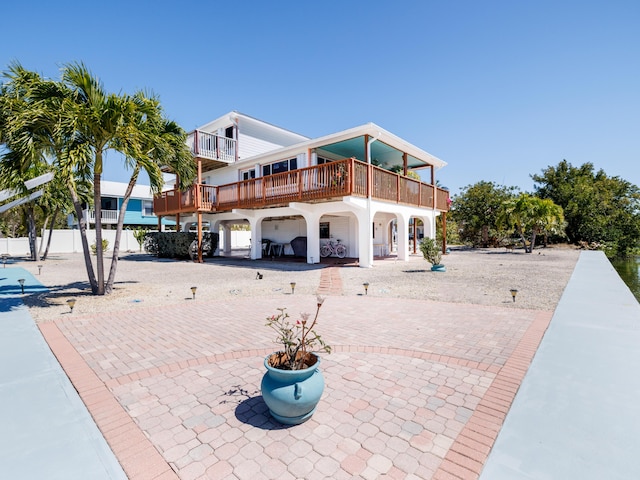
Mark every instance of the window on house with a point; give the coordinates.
(229, 132)
(279, 167)
(147, 208)
(248, 174)
(109, 203)
(324, 230)
(322, 160)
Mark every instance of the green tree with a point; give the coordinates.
(76, 121)
(35, 128)
(598, 209)
(476, 211)
(531, 216)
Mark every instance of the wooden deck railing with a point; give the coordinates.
(321, 182)
(211, 146)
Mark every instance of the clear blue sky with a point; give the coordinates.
(498, 89)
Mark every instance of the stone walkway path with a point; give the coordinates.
(415, 389)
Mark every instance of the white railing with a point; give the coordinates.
(211, 146)
(108, 216)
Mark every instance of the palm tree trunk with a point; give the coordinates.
(116, 243)
(33, 234)
(97, 205)
(82, 226)
(51, 228)
(44, 229)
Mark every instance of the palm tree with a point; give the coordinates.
(75, 121)
(531, 215)
(162, 147)
(38, 123)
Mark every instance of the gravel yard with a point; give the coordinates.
(473, 276)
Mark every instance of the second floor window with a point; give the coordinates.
(279, 167)
(147, 208)
(248, 174)
(109, 203)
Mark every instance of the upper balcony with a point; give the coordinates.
(214, 151)
(320, 183)
(107, 216)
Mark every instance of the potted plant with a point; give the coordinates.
(432, 253)
(293, 384)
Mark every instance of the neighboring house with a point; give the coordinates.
(316, 190)
(139, 212)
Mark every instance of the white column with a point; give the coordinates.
(313, 236)
(226, 231)
(256, 238)
(365, 238)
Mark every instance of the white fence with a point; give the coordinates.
(68, 241)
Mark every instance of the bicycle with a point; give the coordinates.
(330, 248)
(206, 247)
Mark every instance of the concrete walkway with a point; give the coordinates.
(577, 413)
(47, 431)
(415, 389)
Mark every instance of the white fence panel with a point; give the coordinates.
(68, 241)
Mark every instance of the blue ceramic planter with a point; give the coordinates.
(438, 268)
(292, 395)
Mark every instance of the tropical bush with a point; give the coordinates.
(431, 251)
(105, 246)
(175, 244)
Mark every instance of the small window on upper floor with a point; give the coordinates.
(147, 208)
(248, 174)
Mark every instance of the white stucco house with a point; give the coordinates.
(349, 186)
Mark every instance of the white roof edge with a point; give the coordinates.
(117, 189)
(234, 115)
(368, 129)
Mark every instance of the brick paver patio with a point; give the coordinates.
(414, 389)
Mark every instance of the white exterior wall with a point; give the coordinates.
(249, 146)
(343, 229)
(283, 230)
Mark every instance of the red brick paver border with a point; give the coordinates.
(330, 281)
(139, 458)
(465, 459)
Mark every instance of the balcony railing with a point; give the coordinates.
(322, 182)
(212, 147)
(107, 216)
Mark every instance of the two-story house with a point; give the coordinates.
(349, 186)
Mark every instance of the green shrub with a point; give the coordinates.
(139, 234)
(175, 244)
(105, 246)
(431, 251)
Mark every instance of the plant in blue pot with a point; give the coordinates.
(432, 253)
(293, 383)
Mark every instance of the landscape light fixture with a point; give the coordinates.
(72, 303)
(293, 287)
(4, 260)
(193, 292)
(514, 292)
(366, 288)
(21, 282)
(39, 269)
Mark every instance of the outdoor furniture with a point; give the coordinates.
(276, 249)
(299, 246)
(266, 247)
